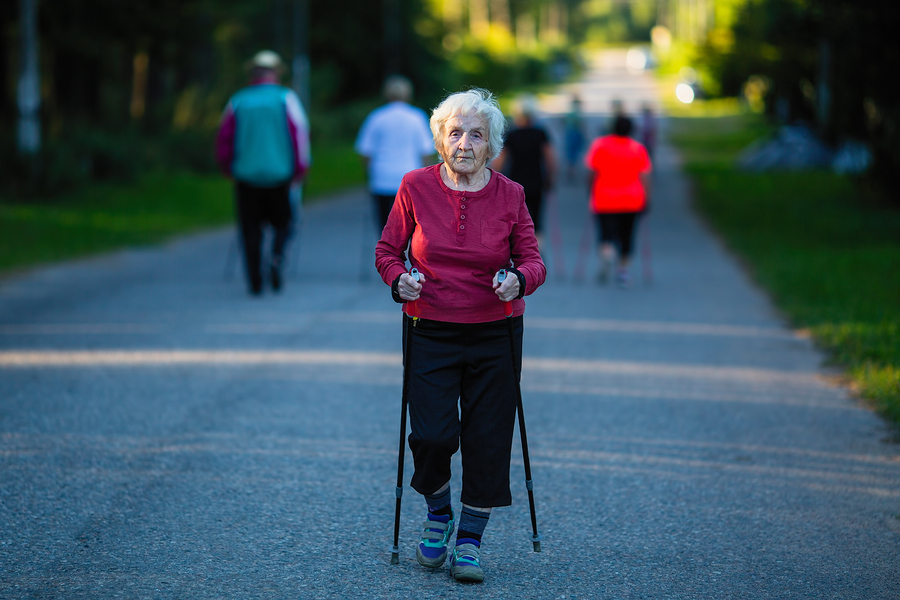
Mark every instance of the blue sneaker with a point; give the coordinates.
(464, 562)
(432, 549)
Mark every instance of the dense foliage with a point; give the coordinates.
(829, 63)
(129, 84)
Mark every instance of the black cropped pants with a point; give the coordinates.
(462, 395)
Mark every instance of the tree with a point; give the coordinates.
(830, 64)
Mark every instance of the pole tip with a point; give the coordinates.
(395, 558)
(537, 546)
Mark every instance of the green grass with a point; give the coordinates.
(828, 252)
(105, 217)
(336, 166)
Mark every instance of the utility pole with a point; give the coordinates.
(300, 63)
(29, 88)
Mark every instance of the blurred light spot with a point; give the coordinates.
(684, 93)
(636, 60)
(661, 37)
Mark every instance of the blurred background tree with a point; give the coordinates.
(826, 63)
(129, 86)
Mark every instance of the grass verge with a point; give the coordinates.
(105, 217)
(827, 251)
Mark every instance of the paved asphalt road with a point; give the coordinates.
(163, 435)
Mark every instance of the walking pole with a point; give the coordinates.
(583, 249)
(365, 249)
(407, 336)
(645, 250)
(529, 484)
(296, 192)
(556, 237)
(234, 249)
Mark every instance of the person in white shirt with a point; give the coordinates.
(393, 140)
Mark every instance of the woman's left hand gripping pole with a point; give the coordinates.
(507, 306)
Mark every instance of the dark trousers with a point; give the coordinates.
(617, 229)
(257, 206)
(534, 201)
(462, 394)
(383, 205)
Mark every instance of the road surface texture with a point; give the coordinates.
(165, 435)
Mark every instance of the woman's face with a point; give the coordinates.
(465, 146)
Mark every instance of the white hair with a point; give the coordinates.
(479, 101)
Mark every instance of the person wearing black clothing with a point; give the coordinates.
(528, 159)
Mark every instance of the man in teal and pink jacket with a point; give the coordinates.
(263, 144)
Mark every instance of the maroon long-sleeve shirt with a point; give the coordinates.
(459, 241)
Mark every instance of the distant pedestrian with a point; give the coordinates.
(648, 129)
(462, 223)
(392, 141)
(528, 159)
(618, 110)
(619, 192)
(574, 137)
(263, 144)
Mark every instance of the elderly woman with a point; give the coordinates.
(462, 223)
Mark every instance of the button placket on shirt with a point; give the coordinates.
(461, 232)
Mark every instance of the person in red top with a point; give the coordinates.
(619, 193)
(462, 223)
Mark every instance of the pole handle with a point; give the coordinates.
(507, 306)
(413, 309)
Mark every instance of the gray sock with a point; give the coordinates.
(472, 523)
(439, 504)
